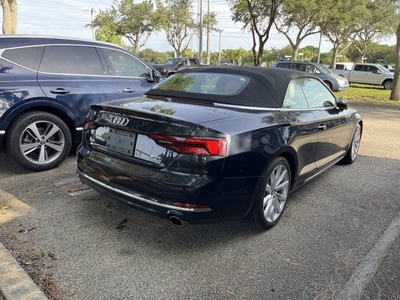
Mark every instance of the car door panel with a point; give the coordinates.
(333, 135)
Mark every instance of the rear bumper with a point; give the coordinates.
(156, 191)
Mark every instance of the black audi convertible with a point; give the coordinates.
(216, 143)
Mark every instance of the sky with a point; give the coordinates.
(70, 17)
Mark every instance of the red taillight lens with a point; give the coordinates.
(193, 146)
(89, 124)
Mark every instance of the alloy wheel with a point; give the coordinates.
(276, 193)
(42, 142)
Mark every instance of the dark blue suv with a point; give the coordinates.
(47, 85)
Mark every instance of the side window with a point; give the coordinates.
(310, 69)
(372, 69)
(192, 62)
(317, 93)
(29, 57)
(358, 68)
(80, 60)
(282, 65)
(301, 67)
(294, 96)
(124, 64)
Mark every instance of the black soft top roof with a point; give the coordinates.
(266, 87)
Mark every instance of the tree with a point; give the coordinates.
(303, 17)
(106, 34)
(258, 16)
(135, 22)
(377, 53)
(395, 93)
(339, 23)
(10, 16)
(377, 23)
(176, 20)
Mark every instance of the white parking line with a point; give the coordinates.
(366, 270)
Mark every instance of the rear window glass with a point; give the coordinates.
(204, 83)
(28, 57)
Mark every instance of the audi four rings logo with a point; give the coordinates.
(121, 121)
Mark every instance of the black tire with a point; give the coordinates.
(271, 195)
(352, 152)
(388, 84)
(38, 141)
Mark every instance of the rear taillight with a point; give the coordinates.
(193, 146)
(89, 124)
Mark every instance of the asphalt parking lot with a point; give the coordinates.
(338, 238)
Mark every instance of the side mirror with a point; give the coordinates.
(342, 104)
(154, 76)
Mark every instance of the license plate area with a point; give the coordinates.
(121, 141)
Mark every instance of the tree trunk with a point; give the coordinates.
(10, 16)
(395, 93)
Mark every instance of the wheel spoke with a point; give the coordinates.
(268, 208)
(28, 148)
(277, 206)
(282, 185)
(58, 146)
(281, 197)
(53, 130)
(281, 175)
(32, 129)
(42, 159)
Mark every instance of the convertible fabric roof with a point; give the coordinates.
(266, 86)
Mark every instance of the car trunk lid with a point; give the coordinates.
(155, 132)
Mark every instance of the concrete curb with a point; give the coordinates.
(15, 283)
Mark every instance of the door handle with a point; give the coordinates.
(128, 90)
(322, 127)
(60, 91)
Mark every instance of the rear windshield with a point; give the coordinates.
(204, 83)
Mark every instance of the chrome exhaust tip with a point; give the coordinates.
(177, 222)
